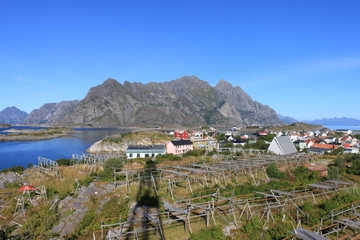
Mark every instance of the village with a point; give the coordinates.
(323, 141)
(231, 184)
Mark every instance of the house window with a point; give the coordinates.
(146, 155)
(138, 155)
(130, 155)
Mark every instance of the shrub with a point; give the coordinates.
(273, 172)
(280, 231)
(17, 169)
(306, 207)
(252, 228)
(195, 153)
(333, 172)
(114, 138)
(301, 174)
(63, 162)
(109, 166)
(355, 167)
(87, 222)
(208, 233)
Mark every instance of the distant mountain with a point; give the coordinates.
(287, 120)
(187, 101)
(12, 115)
(51, 113)
(344, 121)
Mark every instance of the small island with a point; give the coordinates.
(5, 125)
(34, 135)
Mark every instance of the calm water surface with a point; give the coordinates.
(23, 153)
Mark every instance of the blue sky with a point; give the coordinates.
(301, 58)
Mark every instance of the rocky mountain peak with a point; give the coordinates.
(186, 101)
(12, 115)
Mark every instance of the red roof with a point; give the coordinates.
(346, 145)
(324, 146)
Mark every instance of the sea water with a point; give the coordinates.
(24, 153)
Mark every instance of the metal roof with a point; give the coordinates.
(146, 147)
(181, 142)
(308, 235)
(283, 145)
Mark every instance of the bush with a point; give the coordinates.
(194, 153)
(306, 207)
(87, 223)
(252, 228)
(63, 162)
(17, 169)
(280, 231)
(170, 157)
(208, 233)
(109, 166)
(113, 139)
(333, 172)
(273, 172)
(301, 174)
(355, 167)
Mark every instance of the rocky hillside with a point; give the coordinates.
(187, 101)
(119, 143)
(12, 115)
(51, 113)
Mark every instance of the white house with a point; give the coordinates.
(345, 131)
(141, 151)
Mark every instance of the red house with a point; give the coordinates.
(181, 134)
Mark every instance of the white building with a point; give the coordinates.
(282, 146)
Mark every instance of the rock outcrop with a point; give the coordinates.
(78, 207)
(111, 147)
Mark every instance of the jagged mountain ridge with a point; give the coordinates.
(51, 113)
(287, 119)
(12, 115)
(187, 101)
(344, 121)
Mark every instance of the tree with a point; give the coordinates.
(221, 137)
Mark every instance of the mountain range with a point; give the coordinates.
(187, 101)
(344, 121)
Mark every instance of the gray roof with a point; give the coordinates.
(181, 142)
(308, 235)
(146, 149)
(283, 144)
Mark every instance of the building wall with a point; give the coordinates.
(178, 149)
(181, 134)
(139, 154)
